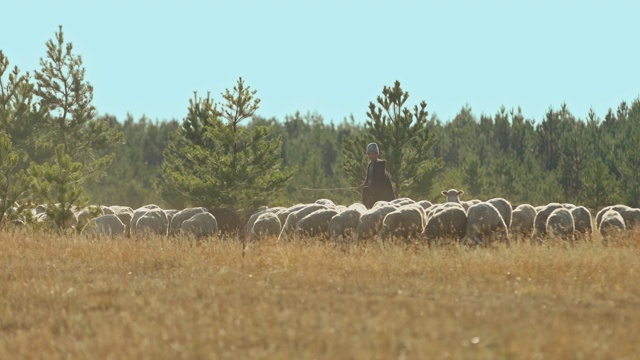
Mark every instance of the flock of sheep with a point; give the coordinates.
(469, 222)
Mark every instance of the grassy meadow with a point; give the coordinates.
(75, 298)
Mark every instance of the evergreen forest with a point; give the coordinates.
(593, 162)
(56, 148)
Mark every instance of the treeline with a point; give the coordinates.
(56, 150)
(593, 162)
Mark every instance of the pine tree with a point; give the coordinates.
(13, 181)
(473, 177)
(16, 117)
(18, 114)
(224, 163)
(313, 147)
(629, 154)
(354, 159)
(66, 98)
(405, 141)
(549, 132)
(137, 167)
(600, 188)
(60, 185)
(575, 155)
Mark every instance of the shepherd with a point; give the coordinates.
(377, 183)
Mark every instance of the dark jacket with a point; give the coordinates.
(377, 184)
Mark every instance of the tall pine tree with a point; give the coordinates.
(405, 140)
(214, 160)
(70, 117)
(78, 145)
(16, 120)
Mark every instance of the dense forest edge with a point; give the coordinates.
(56, 149)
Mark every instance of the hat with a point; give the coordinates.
(373, 147)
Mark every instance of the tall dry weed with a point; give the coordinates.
(172, 298)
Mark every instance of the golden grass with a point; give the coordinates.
(74, 298)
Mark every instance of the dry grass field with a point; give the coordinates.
(73, 298)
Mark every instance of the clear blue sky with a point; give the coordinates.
(334, 57)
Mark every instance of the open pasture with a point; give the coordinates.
(170, 298)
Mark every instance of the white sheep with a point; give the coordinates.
(467, 204)
(153, 221)
(200, 225)
(583, 222)
(247, 230)
(402, 201)
(448, 221)
(540, 222)
(179, 217)
(284, 212)
(426, 204)
(316, 223)
(453, 195)
(290, 224)
(139, 212)
(106, 210)
(611, 223)
(343, 224)
(358, 206)
(105, 225)
(560, 223)
(600, 213)
(522, 219)
(267, 224)
(406, 222)
(630, 215)
(370, 221)
(326, 202)
(115, 209)
(504, 207)
(170, 214)
(340, 208)
(88, 213)
(484, 225)
(436, 208)
(125, 214)
(382, 203)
